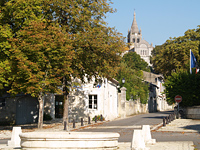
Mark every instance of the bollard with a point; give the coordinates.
(81, 121)
(166, 120)
(15, 138)
(164, 124)
(169, 118)
(101, 118)
(172, 117)
(138, 141)
(146, 133)
(89, 120)
(95, 119)
(65, 125)
(177, 116)
(74, 126)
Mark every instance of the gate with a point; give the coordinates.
(27, 110)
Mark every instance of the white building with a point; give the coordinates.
(94, 98)
(87, 99)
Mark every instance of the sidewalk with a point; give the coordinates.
(178, 145)
(48, 126)
(182, 125)
(178, 125)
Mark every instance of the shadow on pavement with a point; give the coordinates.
(158, 117)
(193, 127)
(32, 126)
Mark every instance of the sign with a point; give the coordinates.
(178, 98)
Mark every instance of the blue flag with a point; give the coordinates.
(192, 61)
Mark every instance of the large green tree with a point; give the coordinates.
(185, 84)
(131, 69)
(134, 61)
(45, 43)
(175, 52)
(172, 59)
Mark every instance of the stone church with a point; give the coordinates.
(137, 44)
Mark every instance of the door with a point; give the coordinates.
(59, 106)
(27, 110)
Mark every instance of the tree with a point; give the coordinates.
(45, 43)
(131, 69)
(185, 84)
(134, 61)
(40, 55)
(174, 53)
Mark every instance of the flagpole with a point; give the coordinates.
(190, 63)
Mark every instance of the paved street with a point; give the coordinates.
(126, 126)
(178, 130)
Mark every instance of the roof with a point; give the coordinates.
(114, 81)
(150, 77)
(134, 27)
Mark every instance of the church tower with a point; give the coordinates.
(137, 44)
(134, 35)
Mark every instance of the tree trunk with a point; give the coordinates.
(66, 104)
(65, 109)
(41, 106)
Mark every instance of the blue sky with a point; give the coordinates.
(158, 19)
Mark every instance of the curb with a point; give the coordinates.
(157, 127)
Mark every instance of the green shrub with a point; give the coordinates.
(98, 118)
(184, 84)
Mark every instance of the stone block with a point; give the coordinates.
(147, 135)
(138, 141)
(15, 139)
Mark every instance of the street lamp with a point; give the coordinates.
(123, 81)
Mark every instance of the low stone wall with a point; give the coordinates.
(135, 107)
(69, 140)
(192, 112)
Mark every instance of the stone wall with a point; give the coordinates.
(49, 105)
(192, 112)
(128, 108)
(135, 107)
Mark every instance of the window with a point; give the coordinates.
(133, 40)
(2, 102)
(92, 101)
(138, 40)
(143, 52)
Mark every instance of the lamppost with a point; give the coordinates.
(132, 97)
(123, 81)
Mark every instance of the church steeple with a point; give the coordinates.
(134, 27)
(137, 44)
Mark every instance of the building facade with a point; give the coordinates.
(157, 99)
(137, 44)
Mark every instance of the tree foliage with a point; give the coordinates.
(131, 69)
(175, 52)
(172, 59)
(184, 84)
(134, 61)
(44, 43)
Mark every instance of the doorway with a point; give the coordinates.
(59, 106)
